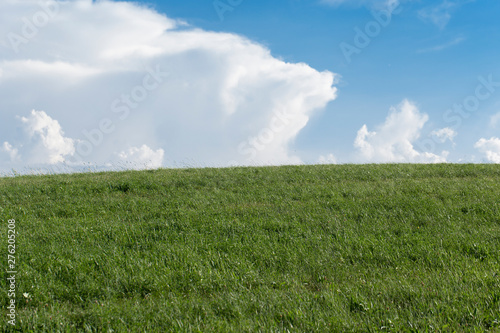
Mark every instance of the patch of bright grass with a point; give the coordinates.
(302, 248)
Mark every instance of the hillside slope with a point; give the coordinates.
(302, 248)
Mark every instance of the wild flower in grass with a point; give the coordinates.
(27, 296)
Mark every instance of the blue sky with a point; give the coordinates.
(376, 81)
(433, 60)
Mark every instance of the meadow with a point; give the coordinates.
(331, 248)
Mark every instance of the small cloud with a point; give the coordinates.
(393, 140)
(334, 2)
(51, 144)
(441, 47)
(440, 15)
(444, 134)
(13, 152)
(373, 4)
(491, 148)
(143, 157)
(495, 120)
(44, 142)
(328, 159)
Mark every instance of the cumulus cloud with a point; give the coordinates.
(328, 159)
(393, 140)
(490, 147)
(119, 75)
(12, 152)
(143, 157)
(44, 142)
(52, 146)
(444, 134)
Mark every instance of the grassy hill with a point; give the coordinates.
(308, 248)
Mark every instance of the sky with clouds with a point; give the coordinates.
(147, 84)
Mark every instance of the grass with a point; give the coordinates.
(366, 248)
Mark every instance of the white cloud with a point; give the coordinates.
(440, 15)
(11, 151)
(393, 140)
(92, 67)
(143, 157)
(444, 134)
(494, 120)
(328, 159)
(374, 4)
(45, 142)
(490, 147)
(444, 46)
(33, 68)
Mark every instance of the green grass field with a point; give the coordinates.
(348, 248)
